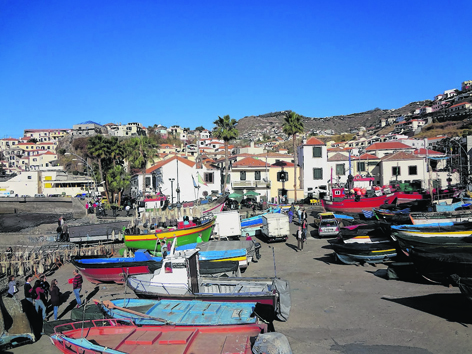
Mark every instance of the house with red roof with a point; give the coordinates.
(386, 148)
(175, 177)
(252, 174)
(407, 167)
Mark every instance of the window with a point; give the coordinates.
(242, 175)
(148, 182)
(29, 177)
(317, 173)
(361, 167)
(257, 175)
(208, 177)
(412, 170)
(316, 151)
(340, 169)
(396, 171)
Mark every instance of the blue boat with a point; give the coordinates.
(444, 206)
(180, 313)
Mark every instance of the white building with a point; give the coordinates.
(312, 157)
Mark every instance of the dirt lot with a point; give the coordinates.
(338, 308)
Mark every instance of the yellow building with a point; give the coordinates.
(281, 187)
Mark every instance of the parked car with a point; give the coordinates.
(39, 196)
(25, 196)
(55, 195)
(328, 227)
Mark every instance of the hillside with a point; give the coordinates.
(338, 124)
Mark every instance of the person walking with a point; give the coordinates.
(39, 300)
(55, 297)
(304, 228)
(12, 286)
(28, 289)
(300, 210)
(77, 286)
(291, 212)
(300, 238)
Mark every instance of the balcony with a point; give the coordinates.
(250, 184)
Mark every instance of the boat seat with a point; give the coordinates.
(143, 337)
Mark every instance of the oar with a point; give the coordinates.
(110, 305)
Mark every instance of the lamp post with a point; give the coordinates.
(88, 167)
(172, 189)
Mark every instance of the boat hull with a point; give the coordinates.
(180, 313)
(441, 217)
(349, 205)
(151, 241)
(116, 336)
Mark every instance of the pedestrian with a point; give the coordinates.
(300, 238)
(248, 238)
(127, 208)
(163, 249)
(39, 300)
(55, 297)
(65, 233)
(87, 208)
(77, 286)
(12, 286)
(300, 215)
(304, 227)
(291, 212)
(28, 289)
(45, 287)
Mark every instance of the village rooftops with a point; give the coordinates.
(400, 155)
(165, 162)
(250, 162)
(388, 145)
(314, 142)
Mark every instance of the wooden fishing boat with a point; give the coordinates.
(405, 197)
(180, 279)
(357, 204)
(452, 230)
(108, 270)
(231, 250)
(120, 336)
(367, 251)
(464, 284)
(437, 264)
(161, 202)
(184, 234)
(180, 313)
(419, 218)
(406, 242)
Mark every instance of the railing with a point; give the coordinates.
(251, 184)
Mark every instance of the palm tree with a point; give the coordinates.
(139, 152)
(226, 130)
(98, 147)
(293, 125)
(117, 180)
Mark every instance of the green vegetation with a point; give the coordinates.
(293, 125)
(225, 130)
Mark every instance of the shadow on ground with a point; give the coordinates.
(451, 307)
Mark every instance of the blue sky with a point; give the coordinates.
(186, 62)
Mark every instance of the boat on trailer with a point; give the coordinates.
(180, 279)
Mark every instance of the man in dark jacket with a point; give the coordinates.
(28, 289)
(77, 286)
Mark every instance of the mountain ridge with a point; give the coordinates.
(339, 124)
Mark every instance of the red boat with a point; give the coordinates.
(120, 336)
(357, 203)
(406, 197)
